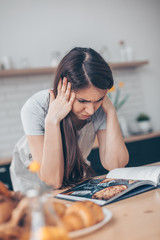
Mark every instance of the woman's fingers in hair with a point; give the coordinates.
(64, 90)
(68, 91)
(59, 86)
(72, 97)
(64, 85)
(51, 95)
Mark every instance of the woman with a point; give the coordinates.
(61, 125)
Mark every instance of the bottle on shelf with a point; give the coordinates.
(125, 52)
(122, 51)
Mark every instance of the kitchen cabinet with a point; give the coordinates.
(143, 149)
(5, 175)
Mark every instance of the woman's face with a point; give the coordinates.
(87, 101)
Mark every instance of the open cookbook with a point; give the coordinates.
(118, 184)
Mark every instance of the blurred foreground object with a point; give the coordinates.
(41, 218)
(37, 216)
(34, 166)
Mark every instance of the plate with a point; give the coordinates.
(84, 231)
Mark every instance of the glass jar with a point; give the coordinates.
(44, 223)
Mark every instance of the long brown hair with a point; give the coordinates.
(82, 67)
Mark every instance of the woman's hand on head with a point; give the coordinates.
(61, 105)
(107, 105)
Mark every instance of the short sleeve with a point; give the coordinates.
(99, 120)
(33, 115)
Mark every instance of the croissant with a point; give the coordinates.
(81, 215)
(6, 207)
(77, 215)
(4, 191)
(8, 201)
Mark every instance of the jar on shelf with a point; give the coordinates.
(24, 63)
(105, 53)
(6, 63)
(55, 58)
(125, 52)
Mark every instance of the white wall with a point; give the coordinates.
(35, 28)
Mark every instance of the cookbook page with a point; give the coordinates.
(136, 173)
(102, 191)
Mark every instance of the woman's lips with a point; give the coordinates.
(85, 116)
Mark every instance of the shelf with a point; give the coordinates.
(26, 72)
(50, 70)
(124, 65)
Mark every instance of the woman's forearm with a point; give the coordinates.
(116, 153)
(52, 166)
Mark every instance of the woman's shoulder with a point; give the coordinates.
(33, 113)
(37, 104)
(39, 100)
(98, 114)
(99, 119)
(41, 96)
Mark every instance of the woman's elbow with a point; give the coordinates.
(55, 182)
(126, 158)
(119, 161)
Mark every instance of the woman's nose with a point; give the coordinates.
(90, 108)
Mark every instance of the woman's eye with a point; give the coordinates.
(81, 101)
(99, 100)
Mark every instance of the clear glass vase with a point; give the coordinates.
(43, 222)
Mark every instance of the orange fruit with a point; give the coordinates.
(56, 233)
(34, 166)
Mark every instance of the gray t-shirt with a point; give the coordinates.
(33, 116)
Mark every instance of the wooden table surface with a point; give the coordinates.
(135, 218)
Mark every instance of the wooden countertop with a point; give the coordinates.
(134, 218)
